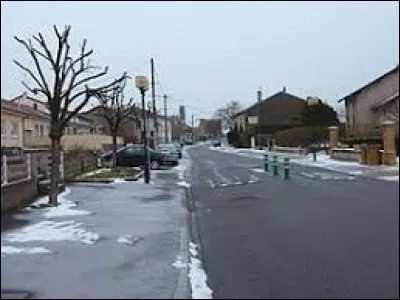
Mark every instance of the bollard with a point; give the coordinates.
(275, 164)
(286, 168)
(266, 166)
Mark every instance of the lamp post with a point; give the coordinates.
(142, 84)
(313, 101)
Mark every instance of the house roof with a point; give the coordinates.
(280, 93)
(22, 109)
(28, 97)
(376, 80)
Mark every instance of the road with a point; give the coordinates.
(317, 235)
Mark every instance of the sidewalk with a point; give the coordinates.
(118, 240)
(381, 172)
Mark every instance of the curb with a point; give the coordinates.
(342, 172)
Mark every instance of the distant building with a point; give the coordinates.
(182, 114)
(281, 110)
(209, 129)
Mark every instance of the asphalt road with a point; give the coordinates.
(318, 235)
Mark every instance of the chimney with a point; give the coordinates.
(259, 95)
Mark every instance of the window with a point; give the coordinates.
(36, 129)
(14, 128)
(41, 130)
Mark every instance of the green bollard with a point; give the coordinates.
(286, 168)
(275, 164)
(266, 166)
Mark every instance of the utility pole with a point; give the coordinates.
(193, 128)
(165, 119)
(259, 96)
(153, 98)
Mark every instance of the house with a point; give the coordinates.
(131, 130)
(373, 103)
(79, 124)
(22, 125)
(281, 110)
(35, 125)
(209, 129)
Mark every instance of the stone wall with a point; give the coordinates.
(347, 154)
(17, 194)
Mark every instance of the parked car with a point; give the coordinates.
(134, 156)
(216, 143)
(170, 149)
(179, 149)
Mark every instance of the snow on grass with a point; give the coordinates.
(128, 239)
(53, 231)
(27, 250)
(183, 184)
(63, 209)
(94, 172)
(197, 276)
(390, 178)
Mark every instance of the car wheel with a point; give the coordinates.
(154, 165)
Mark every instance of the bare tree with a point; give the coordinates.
(66, 85)
(115, 111)
(227, 112)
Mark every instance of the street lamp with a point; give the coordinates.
(142, 84)
(313, 101)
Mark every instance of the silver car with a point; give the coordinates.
(169, 149)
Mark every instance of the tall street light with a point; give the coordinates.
(142, 83)
(313, 101)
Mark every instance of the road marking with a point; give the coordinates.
(253, 179)
(237, 180)
(211, 183)
(214, 169)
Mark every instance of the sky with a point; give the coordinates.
(209, 53)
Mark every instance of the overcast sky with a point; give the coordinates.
(207, 53)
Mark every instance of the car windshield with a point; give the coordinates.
(164, 147)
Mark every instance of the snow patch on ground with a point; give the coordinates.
(53, 231)
(63, 209)
(197, 276)
(179, 263)
(128, 239)
(183, 184)
(258, 170)
(390, 178)
(141, 180)
(118, 180)
(27, 250)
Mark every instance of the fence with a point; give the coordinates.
(15, 168)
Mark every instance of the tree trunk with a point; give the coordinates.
(55, 170)
(114, 149)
